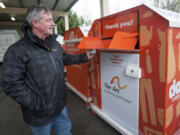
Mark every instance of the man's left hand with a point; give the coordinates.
(90, 54)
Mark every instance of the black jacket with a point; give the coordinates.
(33, 75)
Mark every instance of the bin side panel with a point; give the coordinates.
(77, 75)
(173, 83)
(95, 81)
(152, 28)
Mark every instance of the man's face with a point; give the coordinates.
(46, 25)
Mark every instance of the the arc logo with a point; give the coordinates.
(174, 89)
(118, 83)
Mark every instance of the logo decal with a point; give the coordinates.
(118, 80)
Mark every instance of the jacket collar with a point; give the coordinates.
(27, 30)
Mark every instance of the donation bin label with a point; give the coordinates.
(120, 93)
(124, 23)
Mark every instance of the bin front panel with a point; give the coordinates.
(173, 83)
(120, 93)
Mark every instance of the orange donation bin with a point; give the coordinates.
(135, 77)
(77, 75)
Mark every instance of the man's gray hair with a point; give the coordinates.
(34, 13)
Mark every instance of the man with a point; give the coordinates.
(33, 74)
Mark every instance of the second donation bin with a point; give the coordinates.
(77, 75)
(135, 75)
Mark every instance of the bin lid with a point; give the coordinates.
(120, 40)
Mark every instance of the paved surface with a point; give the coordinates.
(84, 122)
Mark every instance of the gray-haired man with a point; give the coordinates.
(33, 74)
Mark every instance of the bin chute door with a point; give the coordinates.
(124, 41)
(93, 43)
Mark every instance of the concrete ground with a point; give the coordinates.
(84, 122)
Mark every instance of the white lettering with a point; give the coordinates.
(121, 25)
(178, 87)
(111, 26)
(128, 23)
(174, 89)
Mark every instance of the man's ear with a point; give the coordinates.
(34, 23)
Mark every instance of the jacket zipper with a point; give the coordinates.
(54, 64)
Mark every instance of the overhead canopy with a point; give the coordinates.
(17, 9)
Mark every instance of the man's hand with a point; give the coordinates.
(90, 54)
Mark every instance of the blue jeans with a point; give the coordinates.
(61, 126)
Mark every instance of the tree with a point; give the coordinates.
(74, 21)
(173, 5)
